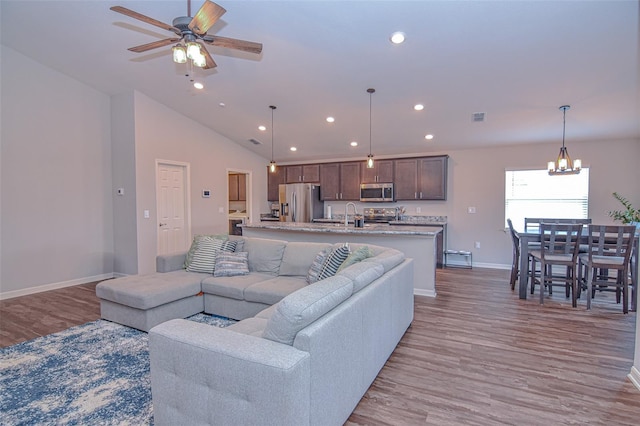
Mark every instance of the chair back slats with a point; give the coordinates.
(611, 241)
(515, 237)
(560, 238)
(532, 224)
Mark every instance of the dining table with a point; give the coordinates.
(532, 237)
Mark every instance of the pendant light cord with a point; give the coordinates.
(371, 92)
(272, 109)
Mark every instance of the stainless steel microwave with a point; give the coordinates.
(376, 192)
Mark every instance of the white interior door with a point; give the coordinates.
(172, 208)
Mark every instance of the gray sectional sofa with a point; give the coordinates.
(300, 354)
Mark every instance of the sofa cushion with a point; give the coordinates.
(194, 246)
(265, 255)
(273, 290)
(232, 287)
(316, 266)
(252, 326)
(231, 264)
(333, 262)
(357, 255)
(301, 308)
(389, 259)
(148, 291)
(362, 274)
(298, 256)
(266, 313)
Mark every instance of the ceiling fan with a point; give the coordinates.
(191, 32)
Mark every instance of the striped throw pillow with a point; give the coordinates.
(231, 264)
(333, 262)
(194, 246)
(204, 257)
(316, 266)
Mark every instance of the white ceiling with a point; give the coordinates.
(518, 61)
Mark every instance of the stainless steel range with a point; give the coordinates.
(380, 215)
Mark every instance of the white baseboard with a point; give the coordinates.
(634, 376)
(54, 286)
(423, 292)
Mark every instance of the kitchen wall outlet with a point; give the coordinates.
(146, 214)
(477, 244)
(471, 210)
(418, 209)
(120, 191)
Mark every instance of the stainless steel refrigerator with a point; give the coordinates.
(300, 202)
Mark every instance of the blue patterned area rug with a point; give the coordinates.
(95, 373)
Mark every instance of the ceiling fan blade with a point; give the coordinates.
(205, 17)
(153, 45)
(210, 62)
(144, 18)
(233, 43)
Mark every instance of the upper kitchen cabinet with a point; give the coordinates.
(237, 187)
(340, 181)
(382, 172)
(423, 178)
(309, 173)
(273, 182)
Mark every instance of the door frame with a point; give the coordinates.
(187, 200)
(248, 189)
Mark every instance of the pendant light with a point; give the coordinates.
(563, 164)
(272, 163)
(370, 156)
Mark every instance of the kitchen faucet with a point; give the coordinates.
(346, 211)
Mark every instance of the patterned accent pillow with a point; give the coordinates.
(204, 257)
(316, 265)
(231, 264)
(194, 246)
(356, 256)
(333, 262)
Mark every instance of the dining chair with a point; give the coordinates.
(559, 245)
(515, 265)
(610, 248)
(532, 224)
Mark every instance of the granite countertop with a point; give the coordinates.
(339, 228)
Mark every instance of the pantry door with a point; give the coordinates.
(173, 206)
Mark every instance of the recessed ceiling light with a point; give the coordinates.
(198, 85)
(397, 37)
(293, 148)
(418, 107)
(330, 119)
(262, 128)
(221, 105)
(428, 137)
(353, 143)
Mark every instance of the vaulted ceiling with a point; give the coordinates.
(516, 61)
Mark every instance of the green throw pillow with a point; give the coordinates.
(356, 256)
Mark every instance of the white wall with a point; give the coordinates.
(163, 134)
(56, 179)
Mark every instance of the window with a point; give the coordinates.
(533, 193)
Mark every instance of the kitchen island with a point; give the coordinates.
(417, 242)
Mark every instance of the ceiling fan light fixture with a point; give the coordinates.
(200, 61)
(193, 50)
(179, 54)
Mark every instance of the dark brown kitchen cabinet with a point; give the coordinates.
(382, 171)
(423, 178)
(309, 173)
(238, 187)
(340, 181)
(330, 181)
(273, 182)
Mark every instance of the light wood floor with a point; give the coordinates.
(474, 355)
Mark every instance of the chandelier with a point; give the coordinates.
(563, 164)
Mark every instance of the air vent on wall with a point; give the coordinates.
(477, 117)
(255, 141)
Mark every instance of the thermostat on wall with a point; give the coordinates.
(206, 193)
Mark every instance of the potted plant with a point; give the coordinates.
(629, 216)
